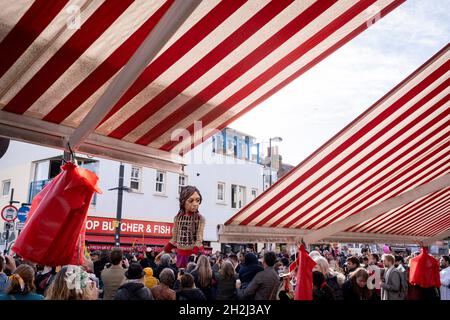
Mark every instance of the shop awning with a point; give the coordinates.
(385, 177)
(71, 70)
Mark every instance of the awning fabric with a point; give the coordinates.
(398, 144)
(58, 58)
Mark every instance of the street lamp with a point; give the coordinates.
(276, 139)
(120, 189)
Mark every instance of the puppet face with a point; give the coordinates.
(192, 203)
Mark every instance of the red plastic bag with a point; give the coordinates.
(424, 270)
(54, 231)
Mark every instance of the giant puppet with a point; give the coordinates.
(187, 231)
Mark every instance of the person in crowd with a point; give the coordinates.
(114, 276)
(391, 286)
(400, 263)
(150, 281)
(365, 262)
(133, 288)
(204, 277)
(191, 267)
(226, 281)
(88, 266)
(314, 254)
(21, 285)
(249, 270)
(445, 277)
(333, 279)
(188, 291)
(149, 260)
(4, 281)
(265, 284)
(163, 291)
(375, 273)
(72, 283)
(355, 288)
(44, 278)
(352, 265)
(241, 262)
(321, 290)
(164, 262)
(100, 259)
(233, 258)
(10, 265)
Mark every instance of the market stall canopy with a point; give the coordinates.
(76, 71)
(385, 177)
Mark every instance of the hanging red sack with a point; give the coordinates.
(54, 231)
(304, 284)
(424, 270)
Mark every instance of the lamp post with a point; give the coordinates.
(120, 190)
(276, 139)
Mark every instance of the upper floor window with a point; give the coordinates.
(182, 182)
(6, 187)
(160, 182)
(136, 179)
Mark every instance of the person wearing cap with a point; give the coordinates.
(133, 288)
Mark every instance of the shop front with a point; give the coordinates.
(135, 235)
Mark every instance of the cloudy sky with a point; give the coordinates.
(316, 106)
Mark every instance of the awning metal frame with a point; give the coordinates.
(52, 135)
(252, 234)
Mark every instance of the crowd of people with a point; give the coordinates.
(115, 275)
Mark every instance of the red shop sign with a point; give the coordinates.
(97, 225)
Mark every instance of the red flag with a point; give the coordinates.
(304, 286)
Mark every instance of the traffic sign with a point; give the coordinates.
(9, 226)
(20, 225)
(22, 214)
(9, 213)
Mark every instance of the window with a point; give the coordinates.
(234, 196)
(41, 170)
(136, 179)
(242, 199)
(182, 182)
(221, 192)
(160, 182)
(6, 186)
(254, 193)
(238, 198)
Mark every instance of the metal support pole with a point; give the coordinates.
(270, 164)
(119, 205)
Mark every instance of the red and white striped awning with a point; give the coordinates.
(398, 146)
(59, 57)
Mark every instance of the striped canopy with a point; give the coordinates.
(59, 57)
(399, 144)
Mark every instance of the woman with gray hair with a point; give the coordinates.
(163, 291)
(164, 262)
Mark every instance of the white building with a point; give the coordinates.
(228, 170)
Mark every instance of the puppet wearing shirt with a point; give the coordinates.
(187, 231)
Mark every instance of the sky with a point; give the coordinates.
(317, 105)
